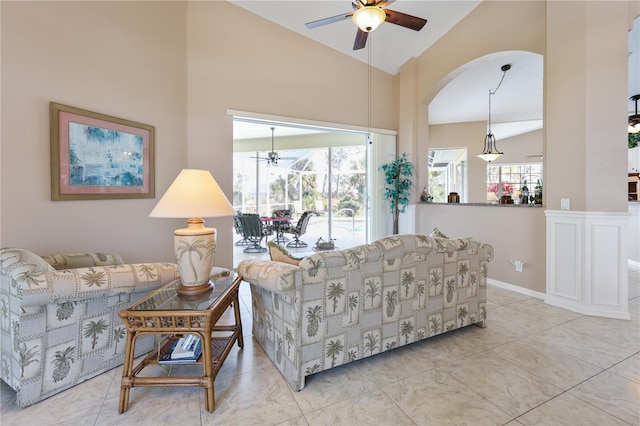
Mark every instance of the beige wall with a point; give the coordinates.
(175, 65)
(122, 59)
(582, 44)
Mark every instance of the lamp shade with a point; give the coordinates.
(194, 193)
(368, 18)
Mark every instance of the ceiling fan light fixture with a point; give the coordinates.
(368, 18)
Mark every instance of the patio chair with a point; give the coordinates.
(237, 225)
(254, 231)
(299, 230)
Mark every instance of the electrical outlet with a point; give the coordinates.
(565, 204)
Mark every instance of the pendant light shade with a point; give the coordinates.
(490, 151)
(634, 119)
(369, 18)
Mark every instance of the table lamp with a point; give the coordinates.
(194, 194)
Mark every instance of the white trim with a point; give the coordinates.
(257, 116)
(587, 262)
(516, 289)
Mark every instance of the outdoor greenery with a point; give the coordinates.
(398, 185)
(634, 140)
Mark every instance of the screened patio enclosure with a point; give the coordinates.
(319, 171)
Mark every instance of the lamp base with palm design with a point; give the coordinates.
(195, 249)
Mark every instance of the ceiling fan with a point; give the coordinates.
(368, 14)
(272, 156)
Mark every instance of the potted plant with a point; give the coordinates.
(398, 185)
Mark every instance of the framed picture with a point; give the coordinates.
(96, 156)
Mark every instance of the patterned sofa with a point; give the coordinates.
(335, 307)
(59, 317)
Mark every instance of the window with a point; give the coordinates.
(447, 172)
(517, 180)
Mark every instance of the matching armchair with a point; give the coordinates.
(59, 317)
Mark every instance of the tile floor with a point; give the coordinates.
(533, 365)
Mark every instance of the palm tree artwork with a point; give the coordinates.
(462, 313)
(315, 368)
(421, 290)
(288, 336)
(93, 277)
(93, 330)
(334, 348)
(118, 334)
(435, 325)
(371, 341)
(352, 304)
(406, 328)
(335, 292)
(407, 278)
(26, 356)
(32, 277)
(435, 280)
(372, 289)
(197, 247)
(463, 270)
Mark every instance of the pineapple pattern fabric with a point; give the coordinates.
(339, 306)
(59, 317)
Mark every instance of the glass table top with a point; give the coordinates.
(166, 298)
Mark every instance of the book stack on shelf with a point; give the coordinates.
(183, 350)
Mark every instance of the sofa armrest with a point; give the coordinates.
(35, 287)
(83, 260)
(276, 276)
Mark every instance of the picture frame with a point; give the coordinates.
(96, 156)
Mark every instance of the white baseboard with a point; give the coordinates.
(516, 288)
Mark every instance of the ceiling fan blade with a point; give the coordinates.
(331, 20)
(361, 40)
(404, 20)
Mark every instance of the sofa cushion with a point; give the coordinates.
(280, 254)
(436, 233)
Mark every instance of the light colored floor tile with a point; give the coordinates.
(629, 368)
(502, 365)
(558, 368)
(332, 386)
(259, 397)
(536, 308)
(391, 366)
(518, 323)
(614, 394)
(436, 398)
(509, 387)
(500, 296)
(572, 341)
(617, 332)
(369, 408)
(82, 401)
(566, 409)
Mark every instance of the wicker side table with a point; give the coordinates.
(164, 312)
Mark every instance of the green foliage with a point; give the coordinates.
(349, 202)
(398, 185)
(634, 140)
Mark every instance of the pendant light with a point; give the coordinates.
(491, 152)
(634, 120)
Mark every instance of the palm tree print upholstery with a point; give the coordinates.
(69, 306)
(340, 306)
